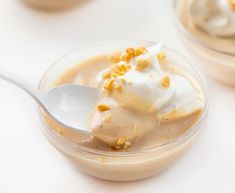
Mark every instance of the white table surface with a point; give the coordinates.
(31, 40)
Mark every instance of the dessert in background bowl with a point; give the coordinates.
(153, 105)
(207, 29)
(52, 5)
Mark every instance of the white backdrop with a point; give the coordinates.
(31, 40)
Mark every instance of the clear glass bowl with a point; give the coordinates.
(219, 63)
(111, 165)
(52, 5)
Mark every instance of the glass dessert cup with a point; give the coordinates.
(52, 5)
(116, 165)
(218, 62)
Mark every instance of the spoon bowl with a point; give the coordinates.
(70, 105)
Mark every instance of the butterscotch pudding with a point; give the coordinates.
(207, 29)
(53, 5)
(152, 106)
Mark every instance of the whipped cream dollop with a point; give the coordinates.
(216, 17)
(144, 87)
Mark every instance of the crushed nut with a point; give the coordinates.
(108, 85)
(118, 70)
(124, 68)
(141, 63)
(103, 107)
(161, 56)
(232, 4)
(126, 57)
(121, 141)
(130, 52)
(140, 51)
(118, 87)
(165, 81)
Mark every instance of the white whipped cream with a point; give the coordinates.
(214, 16)
(146, 85)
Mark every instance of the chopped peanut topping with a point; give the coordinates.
(140, 51)
(166, 81)
(126, 57)
(121, 141)
(232, 4)
(161, 56)
(118, 69)
(118, 87)
(103, 107)
(141, 64)
(130, 52)
(108, 85)
(115, 58)
(124, 68)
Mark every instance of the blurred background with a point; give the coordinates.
(33, 37)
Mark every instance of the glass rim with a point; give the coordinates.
(71, 146)
(186, 33)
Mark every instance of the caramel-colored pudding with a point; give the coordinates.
(162, 141)
(144, 130)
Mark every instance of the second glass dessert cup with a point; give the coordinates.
(114, 165)
(219, 63)
(53, 5)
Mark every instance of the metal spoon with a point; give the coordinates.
(67, 104)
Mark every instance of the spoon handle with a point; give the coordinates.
(34, 93)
